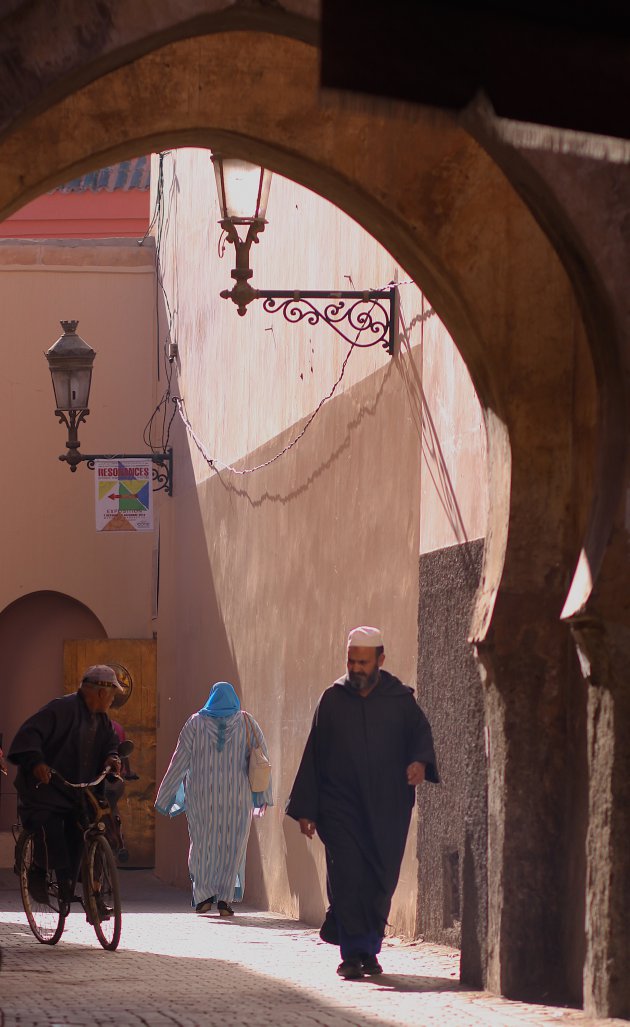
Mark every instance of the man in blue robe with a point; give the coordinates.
(370, 745)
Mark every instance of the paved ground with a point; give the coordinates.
(176, 968)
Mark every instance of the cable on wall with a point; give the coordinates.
(164, 414)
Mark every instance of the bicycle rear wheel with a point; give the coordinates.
(101, 892)
(45, 919)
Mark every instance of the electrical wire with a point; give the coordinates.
(214, 464)
(163, 414)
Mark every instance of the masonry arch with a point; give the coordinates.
(448, 215)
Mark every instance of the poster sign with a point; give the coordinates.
(124, 495)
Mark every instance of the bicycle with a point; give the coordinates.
(96, 872)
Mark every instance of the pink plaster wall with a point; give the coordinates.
(454, 494)
(47, 520)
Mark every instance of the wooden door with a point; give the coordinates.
(134, 661)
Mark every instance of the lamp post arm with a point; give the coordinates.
(361, 318)
(72, 419)
(162, 464)
(241, 293)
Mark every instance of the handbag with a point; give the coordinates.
(258, 767)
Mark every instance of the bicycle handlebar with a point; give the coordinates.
(86, 784)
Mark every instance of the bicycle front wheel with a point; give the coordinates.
(45, 913)
(101, 892)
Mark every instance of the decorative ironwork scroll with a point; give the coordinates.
(162, 466)
(369, 320)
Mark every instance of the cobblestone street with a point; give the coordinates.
(175, 968)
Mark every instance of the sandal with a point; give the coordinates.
(206, 905)
(224, 909)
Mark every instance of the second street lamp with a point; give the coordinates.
(70, 360)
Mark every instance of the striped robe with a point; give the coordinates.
(210, 762)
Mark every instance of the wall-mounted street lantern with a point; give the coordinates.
(70, 360)
(243, 191)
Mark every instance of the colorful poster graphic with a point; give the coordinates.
(124, 495)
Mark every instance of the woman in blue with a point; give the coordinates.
(207, 779)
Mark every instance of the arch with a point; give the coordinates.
(32, 632)
(573, 217)
(435, 199)
(448, 217)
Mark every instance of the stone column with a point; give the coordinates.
(604, 649)
(589, 200)
(524, 673)
(582, 201)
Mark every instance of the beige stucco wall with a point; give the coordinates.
(262, 575)
(47, 518)
(454, 486)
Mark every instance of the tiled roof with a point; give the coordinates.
(129, 174)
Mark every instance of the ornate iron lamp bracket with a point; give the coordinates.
(372, 315)
(162, 464)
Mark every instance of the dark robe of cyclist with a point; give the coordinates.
(74, 736)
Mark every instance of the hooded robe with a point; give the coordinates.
(352, 784)
(207, 779)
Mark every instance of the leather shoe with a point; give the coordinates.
(103, 912)
(371, 966)
(350, 968)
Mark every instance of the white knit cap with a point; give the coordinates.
(365, 636)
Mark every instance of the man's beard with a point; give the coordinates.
(359, 682)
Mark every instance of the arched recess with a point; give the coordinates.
(32, 632)
(445, 211)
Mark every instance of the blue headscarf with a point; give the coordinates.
(222, 701)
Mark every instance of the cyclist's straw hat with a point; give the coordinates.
(101, 674)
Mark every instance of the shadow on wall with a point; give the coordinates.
(194, 650)
(32, 633)
(302, 873)
(256, 498)
(254, 876)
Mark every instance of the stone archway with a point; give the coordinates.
(450, 217)
(32, 632)
(435, 199)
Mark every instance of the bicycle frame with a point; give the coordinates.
(95, 870)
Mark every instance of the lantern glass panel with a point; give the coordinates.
(72, 388)
(243, 189)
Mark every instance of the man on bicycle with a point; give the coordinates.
(74, 736)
